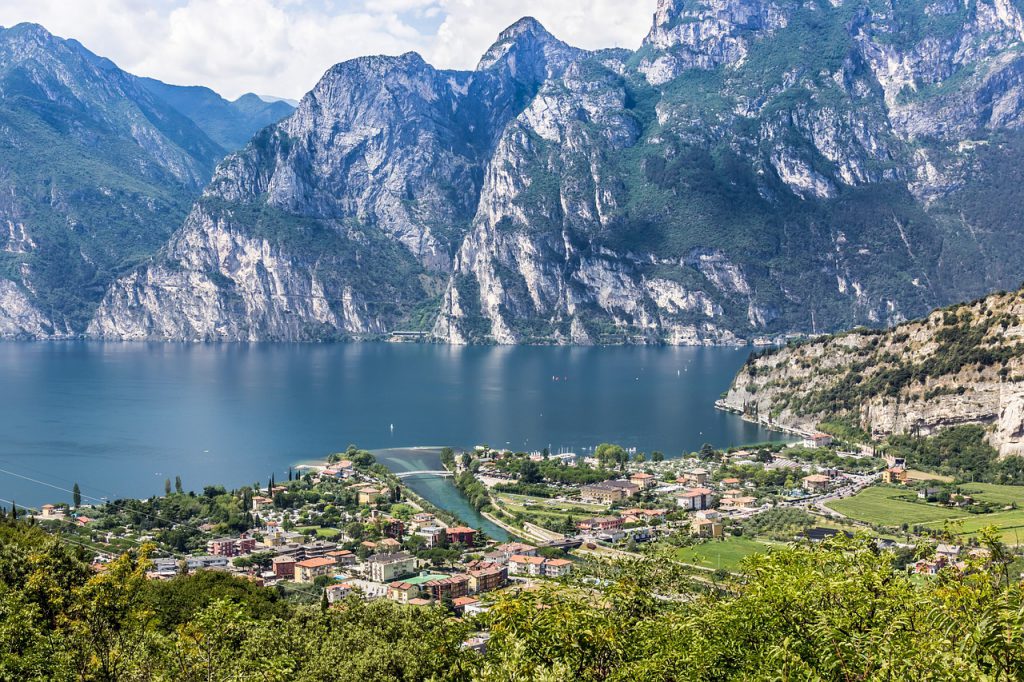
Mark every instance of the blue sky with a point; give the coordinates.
(282, 47)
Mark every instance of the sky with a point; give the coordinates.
(282, 47)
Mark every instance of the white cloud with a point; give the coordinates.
(282, 47)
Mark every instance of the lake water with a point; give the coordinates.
(119, 418)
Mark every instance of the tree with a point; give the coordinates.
(177, 484)
(76, 496)
(530, 472)
(167, 487)
(657, 456)
(639, 458)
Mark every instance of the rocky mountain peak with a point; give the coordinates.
(526, 47)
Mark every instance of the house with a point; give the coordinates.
(510, 548)
(388, 545)
(895, 475)
(369, 494)
(318, 548)
(556, 568)
(742, 502)
(336, 593)
(609, 491)
(696, 477)
(706, 528)
(343, 557)
(487, 579)
(431, 535)
(461, 603)
(695, 499)
(261, 503)
(731, 482)
(283, 566)
(206, 563)
(394, 528)
(525, 565)
(928, 492)
(461, 535)
(384, 568)
(948, 552)
(601, 523)
(49, 511)
(816, 483)
(643, 481)
(307, 570)
(817, 440)
(642, 515)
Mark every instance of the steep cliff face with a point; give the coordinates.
(95, 174)
(756, 168)
(961, 365)
(342, 219)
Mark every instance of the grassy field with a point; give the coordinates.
(1010, 524)
(885, 506)
(997, 494)
(726, 554)
(326, 533)
(915, 475)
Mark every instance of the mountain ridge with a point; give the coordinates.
(758, 168)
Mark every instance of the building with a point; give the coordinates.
(231, 546)
(894, 476)
(283, 567)
(207, 563)
(307, 570)
(369, 494)
(461, 535)
(49, 511)
(556, 568)
(706, 528)
(510, 548)
(817, 440)
(600, 523)
(384, 568)
(487, 579)
(816, 483)
(696, 499)
(431, 535)
(525, 565)
(319, 548)
(343, 557)
(388, 545)
(461, 603)
(336, 593)
(394, 528)
(436, 586)
(609, 491)
(643, 480)
(260, 503)
(730, 482)
(695, 477)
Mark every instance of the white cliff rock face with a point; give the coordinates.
(18, 318)
(785, 387)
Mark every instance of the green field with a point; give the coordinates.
(890, 507)
(327, 533)
(997, 494)
(725, 554)
(1010, 524)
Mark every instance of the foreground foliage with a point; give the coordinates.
(839, 611)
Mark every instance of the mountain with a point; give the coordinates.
(757, 168)
(229, 124)
(95, 174)
(959, 365)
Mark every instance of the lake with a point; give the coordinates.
(119, 418)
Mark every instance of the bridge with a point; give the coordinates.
(409, 474)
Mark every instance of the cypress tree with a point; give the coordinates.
(76, 496)
(177, 484)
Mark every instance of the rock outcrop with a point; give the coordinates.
(960, 365)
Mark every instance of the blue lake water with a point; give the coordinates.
(119, 418)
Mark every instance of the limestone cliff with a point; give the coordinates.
(959, 365)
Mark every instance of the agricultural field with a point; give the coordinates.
(915, 475)
(1010, 524)
(325, 533)
(725, 554)
(997, 494)
(890, 507)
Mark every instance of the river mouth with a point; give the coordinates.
(438, 490)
